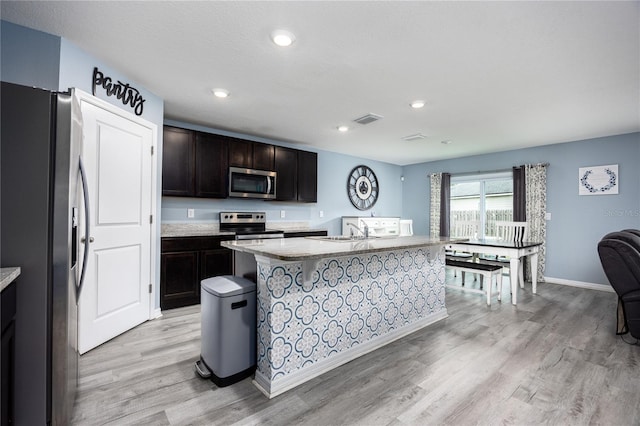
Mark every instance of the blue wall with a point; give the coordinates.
(76, 70)
(577, 222)
(29, 57)
(333, 170)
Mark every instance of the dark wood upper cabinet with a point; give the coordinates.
(178, 162)
(286, 167)
(307, 177)
(240, 153)
(196, 164)
(250, 155)
(211, 166)
(297, 178)
(263, 156)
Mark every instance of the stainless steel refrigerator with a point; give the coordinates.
(41, 187)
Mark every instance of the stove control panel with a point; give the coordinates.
(243, 217)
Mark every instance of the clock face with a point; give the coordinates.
(362, 187)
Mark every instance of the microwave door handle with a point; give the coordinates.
(268, 184)
(87, 239)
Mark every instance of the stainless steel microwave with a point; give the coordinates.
(251, 183)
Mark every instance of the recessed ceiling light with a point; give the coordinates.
(417, 104)
(283, 38)
(343, 128)
(221, 93)
(446, 142)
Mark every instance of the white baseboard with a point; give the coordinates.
(157, 313)
(281, 385)
(581, 284)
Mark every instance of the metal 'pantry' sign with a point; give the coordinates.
(123, 91)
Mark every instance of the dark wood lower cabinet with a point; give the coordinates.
(179, 280)
(215, 263)
(185, 261)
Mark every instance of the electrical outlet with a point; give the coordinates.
(321, 213)
(190, 213)
(547, 216)
(282, 214)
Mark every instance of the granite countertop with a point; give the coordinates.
(7, 276)
(191, 230)
(297, 249)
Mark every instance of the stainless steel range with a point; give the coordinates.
(247, 226)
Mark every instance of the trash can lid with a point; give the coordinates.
(227, 285)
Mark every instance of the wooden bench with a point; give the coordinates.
(486, 270)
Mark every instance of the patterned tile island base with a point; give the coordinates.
(317, 314)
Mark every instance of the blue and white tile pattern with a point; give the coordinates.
(348, 301)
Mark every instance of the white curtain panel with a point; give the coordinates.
(536, 205)
(434, 209)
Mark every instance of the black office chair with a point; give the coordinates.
(620, 257)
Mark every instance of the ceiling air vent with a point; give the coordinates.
(369, 118)
(415, 137)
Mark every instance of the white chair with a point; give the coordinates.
(464, 229)
(509, 231)
(512, 231)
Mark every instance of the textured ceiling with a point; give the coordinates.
(495, 75)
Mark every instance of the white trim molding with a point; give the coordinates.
(581, 284)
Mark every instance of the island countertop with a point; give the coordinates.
(306, 248)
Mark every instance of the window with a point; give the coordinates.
(485, 198)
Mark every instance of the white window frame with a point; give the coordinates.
(482, 178)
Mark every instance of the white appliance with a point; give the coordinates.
(406, 227)
(376, 226)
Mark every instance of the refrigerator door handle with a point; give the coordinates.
(85, 192)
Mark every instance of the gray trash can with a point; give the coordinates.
(228, 332)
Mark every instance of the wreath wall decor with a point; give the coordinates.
(598, 180)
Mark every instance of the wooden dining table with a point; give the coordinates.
(514, 250)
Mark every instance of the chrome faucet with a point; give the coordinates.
(365, 232)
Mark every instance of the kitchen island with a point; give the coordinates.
(322, 302)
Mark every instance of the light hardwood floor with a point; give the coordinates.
(553, 359)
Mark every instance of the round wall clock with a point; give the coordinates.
(362, 187)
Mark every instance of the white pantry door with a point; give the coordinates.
(117, 156)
